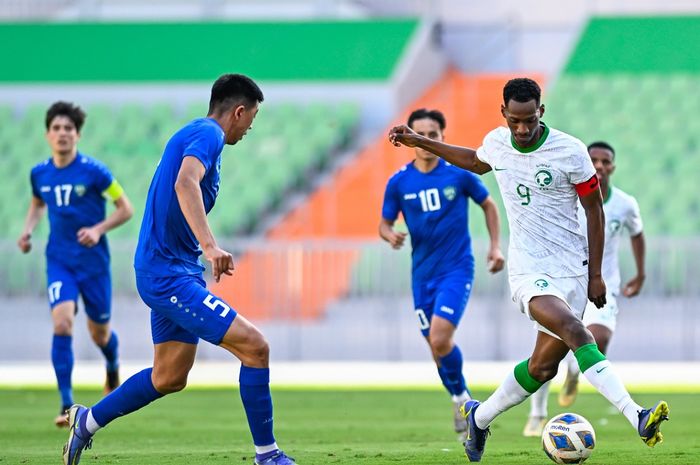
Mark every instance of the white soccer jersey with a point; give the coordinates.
(537, 185)
(621, 212)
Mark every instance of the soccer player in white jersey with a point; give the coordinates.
(621, 212)
(542, 174)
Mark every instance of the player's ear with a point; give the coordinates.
(238, 111)
(503, 110)
(541, 111)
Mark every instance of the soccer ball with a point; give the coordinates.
(568, 438)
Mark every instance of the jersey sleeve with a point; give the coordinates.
(203, 144)
(391, 206)
(474, 187)
(633, 222)
(103, 177)
(581, 167)
(486, 152)
(35, 188)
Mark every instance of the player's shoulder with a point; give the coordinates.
(88, 162)
(623, 198)
(564, 140)
(499, 135)
(401, 173)
(41, 167)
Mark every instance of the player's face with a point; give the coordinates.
(62, 135)
(523, 119)
(431, 129)
(240, 122)
(603, 162)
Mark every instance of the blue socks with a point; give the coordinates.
(62, 359)
(111, 352)
(134, 393)
(257, 402)
(450, 371)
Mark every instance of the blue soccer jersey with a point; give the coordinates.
(75, 197)
(435, 207)
(167, 246)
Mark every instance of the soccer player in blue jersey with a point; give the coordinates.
(433, 197)
(75, 187)
(174, 233)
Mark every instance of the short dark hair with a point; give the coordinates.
(521, 90)
(421, 113)
(231, 89)
(601, 145)
(67, 109)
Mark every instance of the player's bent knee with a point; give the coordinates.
(542, 371)
(169, 384)
(63, 327)
(441, 346)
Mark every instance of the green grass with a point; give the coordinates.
(207, 426)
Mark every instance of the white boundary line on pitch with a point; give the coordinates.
(684, 375)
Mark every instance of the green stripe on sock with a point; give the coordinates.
(587, 356)
(524, 379)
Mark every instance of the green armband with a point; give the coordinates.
(114, 191)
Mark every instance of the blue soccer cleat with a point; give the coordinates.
(77, 441)
(476, 437)
(650, 422)
(279, 458)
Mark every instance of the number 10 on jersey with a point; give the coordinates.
(429, 200)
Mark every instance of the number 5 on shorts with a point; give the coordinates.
(213, 304)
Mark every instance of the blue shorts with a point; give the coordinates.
(182, 309)
(65, 284)
(445, 297)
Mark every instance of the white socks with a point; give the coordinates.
(538, 401)
(508, 394)
(605, 380)
(462, 398)
(90, 423)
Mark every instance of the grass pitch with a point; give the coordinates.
(317, 426)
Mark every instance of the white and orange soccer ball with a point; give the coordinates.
(568, 438)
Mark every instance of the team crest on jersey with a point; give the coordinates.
(543, 178)
(80, 190)
(450, 192)
(615, 226)
(541, 283)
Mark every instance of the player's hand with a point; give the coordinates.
(221, 262)
(25, 242)
(495, 260)
(403, 135)
(596, 291)
(633, 287)
(396, 239)
(89, 237)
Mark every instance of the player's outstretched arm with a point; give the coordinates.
(394, 238)
(464, 157)
(494, 259)
(592, 202)
(123, 211)
(36, 210)
(634, 286)
(189, 195)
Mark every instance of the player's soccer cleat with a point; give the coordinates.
(77, 441)
(460, 422)
(534, 426)
(61, 420)
(650, 422)
(568, 392)
(476, 437)
(279, 458)
(111, 381)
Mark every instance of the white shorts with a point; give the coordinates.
(606, 316)
(572, 290)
